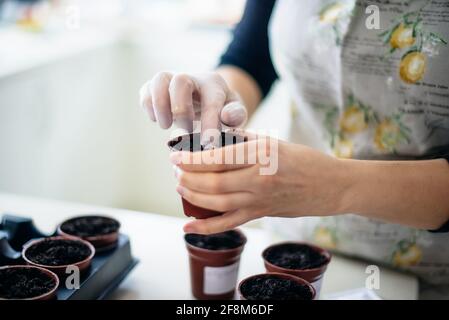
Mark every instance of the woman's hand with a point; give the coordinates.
(183, 98)
(306, 182)
(310, 183)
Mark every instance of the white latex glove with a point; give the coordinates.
(183, 98)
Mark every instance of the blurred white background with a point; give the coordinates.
(70, 71)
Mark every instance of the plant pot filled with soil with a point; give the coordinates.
(192, 143)
(102, 232)
(275, 286)
(27, 283)
(214, 263)
(57, 253)
(303, 260)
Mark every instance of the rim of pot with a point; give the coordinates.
(242, 235)
(280, 275)
(59, 267)
(322, 251)
(241, 133)
(90, 238)
(50, 273)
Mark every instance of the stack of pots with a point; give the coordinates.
(49, 258)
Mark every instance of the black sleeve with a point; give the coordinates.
(444, 228)
(249, 49)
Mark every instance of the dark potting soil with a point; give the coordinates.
(295, 256)
(192, 142)
(274, 288)
(220, 241)
(58, 252)
(90, 226)
(22, 283)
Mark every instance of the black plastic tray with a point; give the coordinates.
(108, 269)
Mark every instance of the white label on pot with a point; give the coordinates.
(317, 286)
(219, 280)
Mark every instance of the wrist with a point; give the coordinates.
(350, 177)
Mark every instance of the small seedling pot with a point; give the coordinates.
(28, 274)
(245, 284)
(314, 274)
(191, 142)
(46, 245)
(101, 231)
(214, 272)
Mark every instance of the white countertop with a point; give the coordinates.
(163, 271)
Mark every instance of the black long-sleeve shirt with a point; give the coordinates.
(249, 49)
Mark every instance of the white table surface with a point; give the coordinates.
(163, 271)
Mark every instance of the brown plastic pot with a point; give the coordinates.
(50, 295)
(313, 275)
(100, 242)
(278, 275)
(191, 142)
(213, 273)
(60, 270)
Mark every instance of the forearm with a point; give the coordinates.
(413, 193)
(242, 83)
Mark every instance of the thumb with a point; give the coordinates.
(234, 114)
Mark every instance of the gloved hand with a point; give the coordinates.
(183, 98)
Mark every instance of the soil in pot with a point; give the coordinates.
(90, 226)
(295, 256)
(192, 142)
(24, 283)
(271, 287)
(58, 252)
(221, 241)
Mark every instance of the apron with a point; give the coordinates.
(367, 93)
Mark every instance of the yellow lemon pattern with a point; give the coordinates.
(353, 120)
(325, 238)
(331, 13)
(343, 126)
(387, 135)
(412, 67)
(390, 132)
(409, 34)
(402, 37)
(344, 149)
(334, 15)
(407, 254)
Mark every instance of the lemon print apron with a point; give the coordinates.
(366, 91)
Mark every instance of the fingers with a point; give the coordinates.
(217, 202)
(216, 183)
(181, 90)
(225, 222)
(213, 98)
(167, 98)
(145, 100)
(233, 114)
(159, 86)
